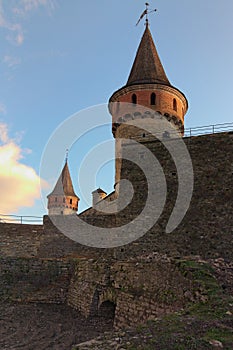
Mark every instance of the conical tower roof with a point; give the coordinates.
(64, 186)
(147, 67)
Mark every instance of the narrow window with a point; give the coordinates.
(174, 104)
(152, 99)
(70, 201)
(134, 99)
(55, 199)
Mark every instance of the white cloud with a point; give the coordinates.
(3, 133)
(14, 11)
(19, 39)
(2, 108)
(13, 28)
(2, 17)
(30, 5)
(11, 61)
(19, 183)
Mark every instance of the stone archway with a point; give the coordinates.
(107, 310)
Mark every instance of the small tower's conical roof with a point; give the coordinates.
(64, 186)
(147, 67)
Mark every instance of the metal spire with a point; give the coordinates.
(67, 155)
(145, 13)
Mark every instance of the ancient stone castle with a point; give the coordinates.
(145, 278)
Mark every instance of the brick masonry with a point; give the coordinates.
(38, 263)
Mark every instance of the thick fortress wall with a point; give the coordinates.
(150, 277)
(206, 230)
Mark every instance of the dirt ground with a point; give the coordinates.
(45, 327)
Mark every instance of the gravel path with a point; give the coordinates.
(45, 327)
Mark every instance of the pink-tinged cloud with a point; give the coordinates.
(19, 183)
(19, 39)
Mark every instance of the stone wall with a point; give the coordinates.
(140, 290)
(43, 241)
(34, 280)
(36, 260)
(55, 244)
(18, 240)
(207, 227)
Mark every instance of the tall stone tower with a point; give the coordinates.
(147, 86)
(63, 200)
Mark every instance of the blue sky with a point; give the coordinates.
(59, 57)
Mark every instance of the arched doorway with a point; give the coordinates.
(107, 310)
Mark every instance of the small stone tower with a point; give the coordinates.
(97, 196)
(147, 86)
(63, 200)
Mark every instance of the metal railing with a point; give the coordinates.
(20, 219)
(190, 132)
(208, 129)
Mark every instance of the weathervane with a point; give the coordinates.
(145, 13)
(67, 154)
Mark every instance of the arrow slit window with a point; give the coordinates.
(134, 99)
(174, 104)
(153, 99)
